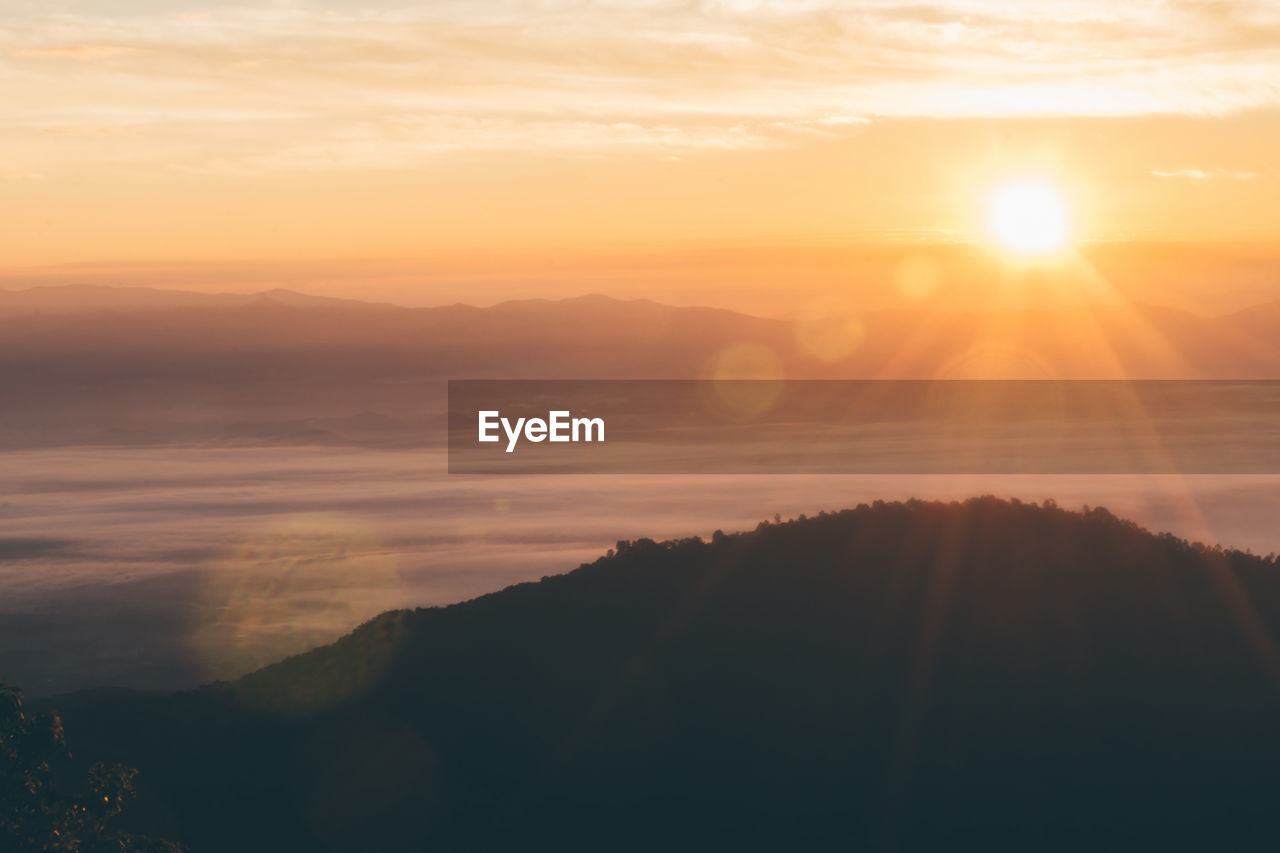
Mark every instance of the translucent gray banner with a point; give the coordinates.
(863, 426)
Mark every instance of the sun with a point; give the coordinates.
(1029, 217)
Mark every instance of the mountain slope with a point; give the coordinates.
(908, 676)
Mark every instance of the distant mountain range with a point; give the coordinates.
(598, 336)
(156, 365)
(977, 675)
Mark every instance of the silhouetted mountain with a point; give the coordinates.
(183, 373)
(600, 337)
(1258, 321)
(897, 676)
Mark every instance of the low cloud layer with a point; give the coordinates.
(163, 568)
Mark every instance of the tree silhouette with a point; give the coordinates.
(34, 814)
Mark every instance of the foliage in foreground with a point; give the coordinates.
(35, 815)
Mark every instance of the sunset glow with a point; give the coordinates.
(312, 131)
(639, 424)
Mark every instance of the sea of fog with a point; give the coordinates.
(169, 567)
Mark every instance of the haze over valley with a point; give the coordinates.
(199, 484)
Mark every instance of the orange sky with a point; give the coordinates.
(303, 132)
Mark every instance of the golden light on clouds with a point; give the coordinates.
(371, 129)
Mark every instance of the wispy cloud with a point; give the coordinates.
(665, 76)
(75, 51)
(408, 141)
(1208, 174)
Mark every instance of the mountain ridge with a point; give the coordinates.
(88, 298)
(185, 375)
(1138, 340)
(902, 675)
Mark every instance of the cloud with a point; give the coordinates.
(408, 141)
(660, 76)
(26, 548)
(161, 527)
(1207, 174)
(75, 51)
(80, 131)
